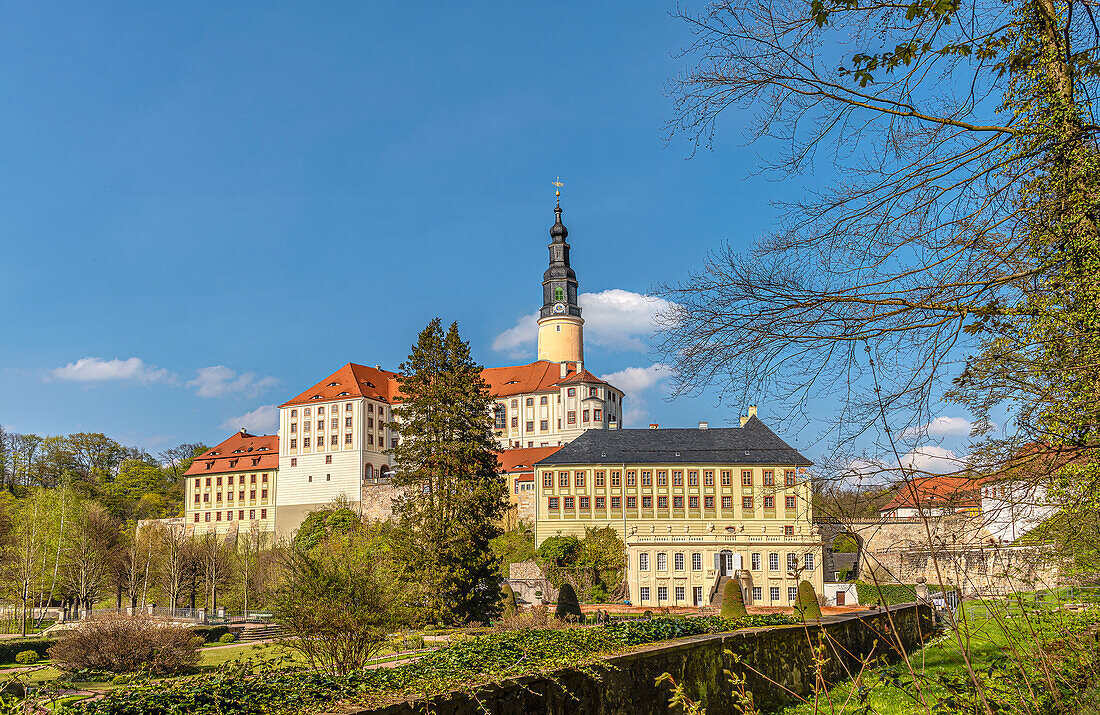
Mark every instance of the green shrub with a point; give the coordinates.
(806, 607)
(227, 638)
(126, 644)
(210, 634)
(26, 657)
(733, 600)
(569, 608)
(9, 649)
(508, 601)
(891, 593)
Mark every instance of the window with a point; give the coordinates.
(335, 423)
(332, 440)
(544, 425)
(563, 479)
(678, 561)
(792, 593)
(328, 459)
(251, 513)
(643, 562)
(263, 513)
(530, 427)
(662, 502)
(708, 502)
(746, 477)
(677, 478)
(559, 293)
(252, 494)
(584, 503)
(500, 417)
(263, 494)
(347, 438)
(693, 502)
(207, 515)
(597, 415)
(370, 423)
(788, 478)
(809, 562)
(206, 497)
(647, 479)
(788, 531)
(773, 561)
(543, 400)
(305, 442)
(240, 494)
(208, 481)
(294, 413)
(757, 593)
(647, 502)
(218, 516)
(305, 412)
(584, 415)
(196, 498)
(321, 409)
(571, 417)
(632, 502)
(515, 404)
(615, 479)
(240, 514)
(727, 478)
(789, 502)
(643, 593)
(552, 503)
(515, 422)
(599, 479)
(530, 402)
(746, 502)
(677, 502)
(347, 407)
(547, 480)
(769, 478)
(370, 439)
(792, 562)
(708, 478)
(696, 562)
(774, 593)
(727, 502)
(294, 461)
(320, 425)
(593, 392)
(571, 392)
(196, 518)
(601, 502)
(755, 562)
(631, 479)
(769, 502)
(693, 479)
(662, 593)
(568, 503)
(616, 502)
(679, 591)
(578, 479)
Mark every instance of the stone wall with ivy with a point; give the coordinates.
(782, 654)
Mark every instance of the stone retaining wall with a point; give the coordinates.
(781, 654)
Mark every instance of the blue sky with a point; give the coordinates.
(208, 207)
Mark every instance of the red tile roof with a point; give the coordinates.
(351, 380)
(538, 376)
(242, 452)
(523, 459)
(959, 492)
(584, 376)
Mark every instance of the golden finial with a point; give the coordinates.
(558, 183)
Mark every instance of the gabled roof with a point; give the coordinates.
(242, 452)
(538, 376)
(351, 380)
(523, 459)
(753, 443)
(938, 492)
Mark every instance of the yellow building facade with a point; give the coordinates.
(231, 488)
(695, 508)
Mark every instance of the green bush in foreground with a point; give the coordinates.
(26, 657)
(807, 608)
(227, 638)
(482, 659)
(568, 608)
(733, 600)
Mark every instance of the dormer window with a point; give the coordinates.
(315, 397)
(209, 465)
(332, 384)
(343, 394)
(559, 293)
(368, 384)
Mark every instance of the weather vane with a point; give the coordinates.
(558, 183)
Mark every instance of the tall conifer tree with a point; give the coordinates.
(453, 493)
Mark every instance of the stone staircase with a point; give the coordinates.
(261, 632)
(719, 589)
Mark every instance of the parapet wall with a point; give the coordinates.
(627, 686)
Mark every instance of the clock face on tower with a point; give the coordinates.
(559, 308)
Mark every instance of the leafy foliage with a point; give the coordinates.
(733, 600)
(127, 644)
(318, 525)
(568, 608)
(806, 607)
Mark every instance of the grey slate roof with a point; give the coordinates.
(752, 444)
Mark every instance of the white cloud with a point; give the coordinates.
(616, 318)
(932, 459)
(219, 381)
(261, 420)
(941, 427)
(635, 381)
(923, 461)
(93, 369)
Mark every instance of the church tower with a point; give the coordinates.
(561, 328)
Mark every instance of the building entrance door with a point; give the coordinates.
(729, 563)
(697, 595)
(840, 598)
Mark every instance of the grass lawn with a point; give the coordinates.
(993, 633)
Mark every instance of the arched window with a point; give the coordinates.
(382, 473)
(559, 293)
(500, 417)
(369, 471)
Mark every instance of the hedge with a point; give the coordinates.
(892, 593)
(210, 634)
(11, 648)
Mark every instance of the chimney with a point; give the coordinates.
(580, 366)
(704, 425)
(744, 419)
(564, 369)
(752, 410)
(377, 367)
(612, 425)
(653, 425)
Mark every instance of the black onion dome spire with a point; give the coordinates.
(559, 282)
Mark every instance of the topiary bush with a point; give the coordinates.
(569, 608)
(26, 657)
(733, 601)
(807, 607)
(227, 638)
(508, 601)
(127, 644)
